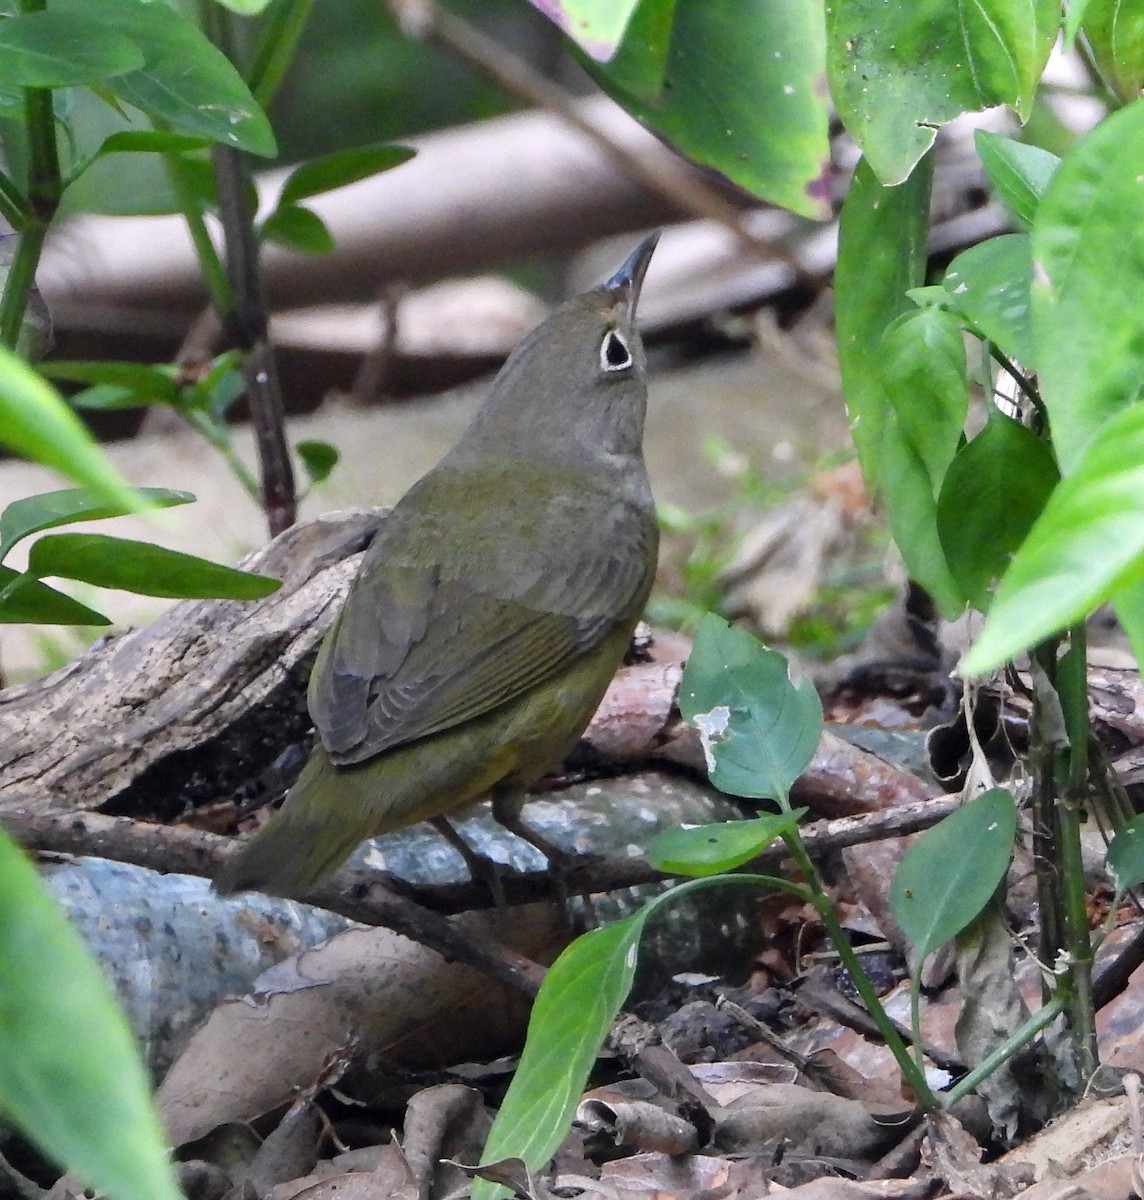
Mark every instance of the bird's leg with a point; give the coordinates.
(480, 866)
(508, 799)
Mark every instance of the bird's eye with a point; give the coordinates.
(614, 352)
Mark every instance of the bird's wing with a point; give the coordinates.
(421, 646)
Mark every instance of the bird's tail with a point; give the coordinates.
(303, 844)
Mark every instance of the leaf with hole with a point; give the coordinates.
(759, 728)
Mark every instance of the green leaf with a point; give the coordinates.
(154, 383)
(1088, 276)
(298, 228)
(898, 71)
(50, 49)
(574, 1010)
(184, 81)
(1086, 546)
(1125, 859)
(105, 397)
(994, 491)
(637, 68)
(596, 26)
(882, 252)
(1074, 15)
(949, 874)
(989, 286)
(1019, 172)
(922, 362)
(36, 423)
(767, 128)
(337, 170)
(31, 602)
(141, 567)
(1115, 35)
(759, 728)
(33, 514)
(318, 459)
(923, 376)
(150, 141)
(71, 1076)
(711, 849)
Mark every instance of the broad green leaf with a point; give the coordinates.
(759, 728)
(36, 423)
(711, 849)
(337, 170)
(1088, 277)
(1074, 15)
(923, 375)
(156, 382)
(922, 363)
(1114, 31)
(638, 65)
(596, 26)
(34, 514)
(882, 250)
(765, 125)
(994, 491)
(1019, 172)
(150, 141)
(1087, 545)
(574, 1010)
(318, 459)
(31, 602)
(50, 49)
(184, 81)
(298, 228)
(947, 877)
(898, 71)
(1128, 602)
(989, 284)
(1125, 858)
(141, 567)
(71, 1076)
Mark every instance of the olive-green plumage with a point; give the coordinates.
(493, 606)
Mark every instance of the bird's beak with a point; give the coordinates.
(625, 284)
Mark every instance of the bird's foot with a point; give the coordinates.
(482, 869)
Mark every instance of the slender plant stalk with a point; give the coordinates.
(44, 190)
(276, 46)
(245, 316)
(13, 206)
(910, 1067)
(214, 274)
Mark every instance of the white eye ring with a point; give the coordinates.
(614, 353)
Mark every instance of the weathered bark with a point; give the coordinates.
(197, 704)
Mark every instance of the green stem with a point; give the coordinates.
(219, 438)
(276, 46)
(1072, 687)
(1021, 380)
(910, 1067)
(210, 264)
(1002, 1053)
(43, 200)
(13, 206)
